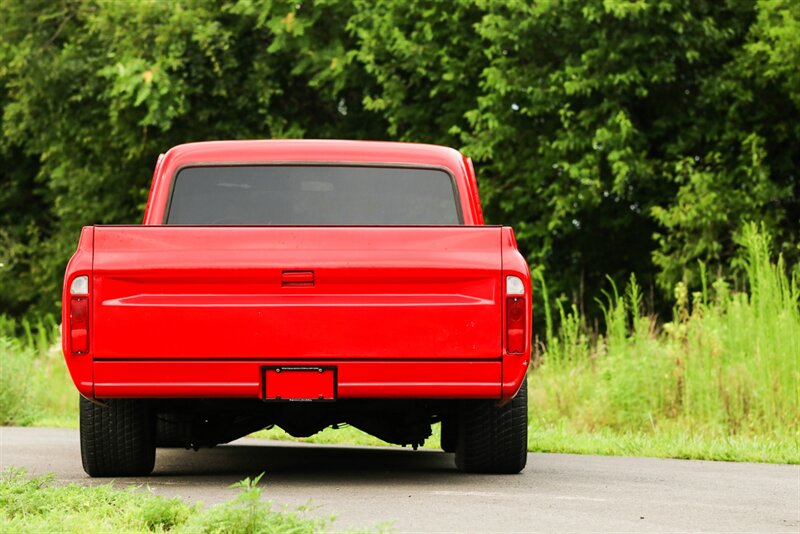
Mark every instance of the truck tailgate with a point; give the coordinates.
(386, 293)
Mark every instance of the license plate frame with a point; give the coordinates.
(288, 383)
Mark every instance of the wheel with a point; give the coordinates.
(169, 431)
(493, 439)
(118, 439)
(449, 434)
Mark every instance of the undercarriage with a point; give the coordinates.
(194, 423)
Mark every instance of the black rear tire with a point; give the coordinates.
(169, 432)
(449, 434)
(494, 439)
(117, 440)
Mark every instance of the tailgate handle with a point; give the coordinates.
(297, 279)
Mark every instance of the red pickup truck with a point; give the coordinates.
(303, 284)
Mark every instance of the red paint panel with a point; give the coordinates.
(242, 379)
(218, 292)
(472, 184)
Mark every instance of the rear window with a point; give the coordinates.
(313, 195)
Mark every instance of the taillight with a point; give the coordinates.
(79, 315)
(515, 315)
(515, 325)
(79, 325)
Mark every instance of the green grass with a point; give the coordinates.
(346, 435)
(720, 380)
(38, 505)
(667, 443)
(35, 388)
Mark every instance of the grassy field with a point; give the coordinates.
(35, 388)
(719, 381)
(38, 505)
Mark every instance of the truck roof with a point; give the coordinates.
(312, 150)
(329, 151)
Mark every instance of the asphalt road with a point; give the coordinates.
(421, 491)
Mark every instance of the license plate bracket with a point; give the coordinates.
(298, 384)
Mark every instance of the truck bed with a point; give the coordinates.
(379, 293)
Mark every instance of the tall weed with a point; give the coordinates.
(34, 383)
(726, 364)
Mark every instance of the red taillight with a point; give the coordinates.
(515, 325)
(79, 325)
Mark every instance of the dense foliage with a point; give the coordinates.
(617, 136)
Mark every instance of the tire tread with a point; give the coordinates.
(494, 439)
(117, 440)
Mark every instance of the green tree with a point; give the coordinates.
(614, 135)
(93, 91)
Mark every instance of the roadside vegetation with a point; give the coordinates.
(719, 381)
(35, 388)
(36, 504)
